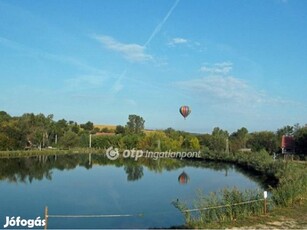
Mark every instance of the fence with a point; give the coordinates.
(47, 215)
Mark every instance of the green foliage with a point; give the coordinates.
(291, 188)
(4, 117)
(226, 205)
(300, 136)
(75, 128)
(218, 140)
(88, 126)
(238, 139)
(131, 141)
(159, 141)
(135, 124)
(120, 129)
(263, 140)
(134, 171)
(69, 140)
(190, 143)
(194, 143)
(105, 142)
(292, 184)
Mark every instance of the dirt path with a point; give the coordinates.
(282, 218)
(282, 224)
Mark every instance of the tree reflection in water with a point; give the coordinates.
(27, 169)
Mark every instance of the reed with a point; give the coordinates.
(291, 189)
(228, 204)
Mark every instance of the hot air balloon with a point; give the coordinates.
(185, 111)
(183, 178)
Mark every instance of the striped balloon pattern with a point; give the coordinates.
(185, 111)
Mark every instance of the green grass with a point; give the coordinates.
(290, 191)
(290, 217)
(224, 206)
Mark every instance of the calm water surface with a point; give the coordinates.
(79, 184)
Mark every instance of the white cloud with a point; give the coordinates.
(222, 88)
(217, 68)
(132, 52)
(218, 89)
(176, 41)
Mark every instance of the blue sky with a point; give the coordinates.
(235, 63)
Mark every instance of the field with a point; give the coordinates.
(109, 127)
(113, 127)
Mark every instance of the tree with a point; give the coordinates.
(218, 139)
(135, 124)
(4, 117)
(120, 129)
(205, 140)
(88, 126)
(194, 143)
(134, 172)
(300, 137)
(159, 141)
(75, 128)
(263, 140)
(238, 139)
(69, 140)
(130, 141)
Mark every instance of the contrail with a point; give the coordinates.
(117, 86)
(159, 27)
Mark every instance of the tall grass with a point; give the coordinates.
(291, 188)
(226, 205)
(292, 185)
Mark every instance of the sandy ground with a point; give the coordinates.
(283, 223)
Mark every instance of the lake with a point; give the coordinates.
(83, 184)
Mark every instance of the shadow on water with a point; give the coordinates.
(27, 169)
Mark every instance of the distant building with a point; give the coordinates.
(287, 144)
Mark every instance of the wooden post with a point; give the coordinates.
(265, 195)
(264, 206)
(46, 218)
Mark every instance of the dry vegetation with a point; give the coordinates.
(110, 127)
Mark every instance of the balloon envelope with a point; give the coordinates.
(185, 110)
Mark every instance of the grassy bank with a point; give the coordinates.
(46, 152)
(293, 217)
(290, 191)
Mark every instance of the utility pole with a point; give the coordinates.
(90, 141)
(227, 146)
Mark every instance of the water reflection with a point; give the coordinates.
(134, 172)
(27, 169)
(183, 178)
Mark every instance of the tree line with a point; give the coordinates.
(255, 141)
(40, 131)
